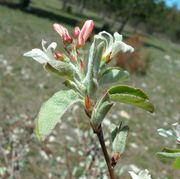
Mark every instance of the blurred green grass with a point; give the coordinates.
(24, 92)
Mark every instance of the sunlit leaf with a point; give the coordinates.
(52, 110)
(100, 110)
(132, 96)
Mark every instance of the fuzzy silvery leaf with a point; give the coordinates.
(131, 96)
(119, 137)
(95, 55)
(89, 74)
(52, 110)
(113, 75)
(143, 174)
(100, 110)
(63, 69)
(97, 58)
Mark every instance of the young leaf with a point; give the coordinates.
(132, 96)
(52, 110)
(113, 75)
(64, 70)
(97, 58)
(119, 140)
(100, 110)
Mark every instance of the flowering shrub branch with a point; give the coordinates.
(84, 76)
(169, 153)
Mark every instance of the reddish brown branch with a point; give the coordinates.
(100, 136)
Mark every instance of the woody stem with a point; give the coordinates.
(100, 136)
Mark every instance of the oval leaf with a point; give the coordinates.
(132, 96)
(52, 110)
(113, 75)
(167, 155)
(119, 141)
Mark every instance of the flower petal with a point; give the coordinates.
(133, 175)
(117, 37)
(120, 46)
(37, 55)
(51, 48)
(109, 40)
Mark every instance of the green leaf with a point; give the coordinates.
(132, 96)
(97, 58)
(64, 70)
(168, 150)
(100, 110)
(52, 110)
(114, 133)
(119, 139)
(89, 81)
(168, 155)
(113, 75)
(176, 164)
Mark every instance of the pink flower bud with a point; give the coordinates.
(63, 32)
(85, 32)
(73, 58)
(59, 56)
(76, 32)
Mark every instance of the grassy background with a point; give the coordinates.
(24, 86)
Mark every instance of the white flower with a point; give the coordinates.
(174, 133)
(42, 56)
(176, 129)
(113, 45)
(143, 174)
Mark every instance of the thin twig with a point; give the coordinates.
(100, 136)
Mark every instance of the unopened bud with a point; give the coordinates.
(59, 56)
(76, 32)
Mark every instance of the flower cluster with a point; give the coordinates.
(81, 73)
